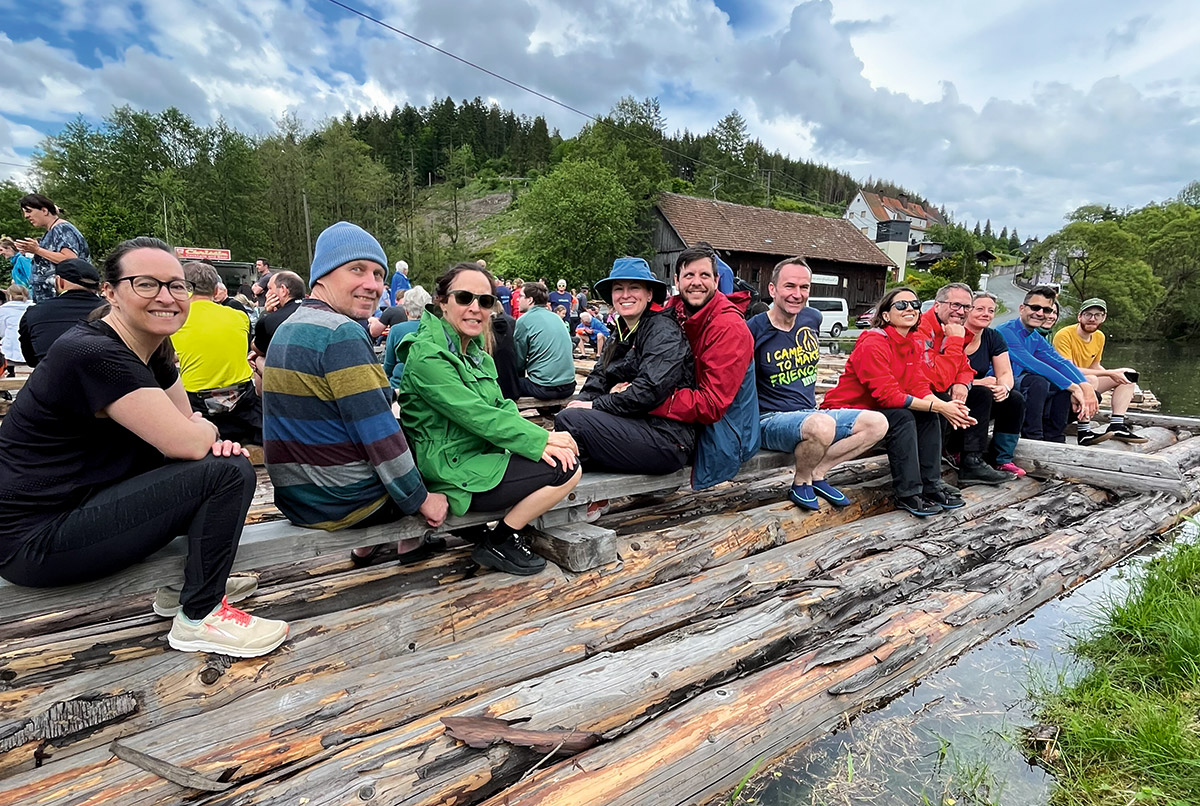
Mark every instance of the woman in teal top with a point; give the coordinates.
(470, 443)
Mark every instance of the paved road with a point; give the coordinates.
(1002, 286)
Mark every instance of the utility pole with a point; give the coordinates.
(166, 232)
(307, 227)
(716, 183)
(768, 187)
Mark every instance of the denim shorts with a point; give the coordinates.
(781, 429)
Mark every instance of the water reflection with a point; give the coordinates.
(1169, 369)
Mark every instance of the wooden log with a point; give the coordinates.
(577, 546)
(363, 701)
(1185, 455)
(1112, 470)
(699, 751)
(174, 685)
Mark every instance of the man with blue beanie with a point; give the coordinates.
(333, 449)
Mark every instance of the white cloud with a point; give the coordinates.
(1013, 111)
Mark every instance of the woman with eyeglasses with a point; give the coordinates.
(103, 462)
(993, 394)
(470, 442)
(886, 372)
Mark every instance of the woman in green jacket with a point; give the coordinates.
(472, 444)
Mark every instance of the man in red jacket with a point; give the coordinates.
(716, 329)
(944, 335)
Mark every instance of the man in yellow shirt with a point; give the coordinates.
(1083, 346)
(212, 347)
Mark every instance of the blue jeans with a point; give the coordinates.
(781, 429)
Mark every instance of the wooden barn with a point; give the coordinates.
(752, 240)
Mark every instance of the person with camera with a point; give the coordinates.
(1083, 346)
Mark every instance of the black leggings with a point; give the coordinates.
(123, 524)
(522, 478)
(914, 449)
(1009, 413)
(627, 444)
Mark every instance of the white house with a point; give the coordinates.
(867, 209)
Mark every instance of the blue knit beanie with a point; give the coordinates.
(340, 244)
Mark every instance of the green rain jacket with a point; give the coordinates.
(461, 428)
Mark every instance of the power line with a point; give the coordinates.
(15, 164)
(555, 101)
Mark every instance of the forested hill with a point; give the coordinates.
(405, 175)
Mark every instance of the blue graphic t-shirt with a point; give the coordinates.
(786, 361)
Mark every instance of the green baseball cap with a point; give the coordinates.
(1094, 302)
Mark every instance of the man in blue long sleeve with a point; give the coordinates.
(1051, 384)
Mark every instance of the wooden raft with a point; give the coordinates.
(732, 627)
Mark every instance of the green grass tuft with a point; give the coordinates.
(1129, 727)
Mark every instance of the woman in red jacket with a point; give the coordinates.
(886, 372)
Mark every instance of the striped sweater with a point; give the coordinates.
(333, 450)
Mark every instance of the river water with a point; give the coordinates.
(954, 738)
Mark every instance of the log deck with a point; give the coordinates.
(697, 633)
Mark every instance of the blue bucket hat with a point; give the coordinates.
(632, 268)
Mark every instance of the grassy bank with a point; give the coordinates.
(1128, 728)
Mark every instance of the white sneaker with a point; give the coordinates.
(166, 600)
(228, 631)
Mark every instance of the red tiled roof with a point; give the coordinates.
(880, 205)
(740, 228)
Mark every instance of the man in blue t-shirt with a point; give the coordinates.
(561, 296)
(504, 294)
(786, 352)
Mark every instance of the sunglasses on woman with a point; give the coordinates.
(465, 298)
(901, 304)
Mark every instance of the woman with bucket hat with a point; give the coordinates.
(646, 359)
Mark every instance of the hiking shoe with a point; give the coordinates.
(1009, 467)
(802, 496)
(513, 556)
(976, 471)
(1089, 438)
(944, 496)
(830, 493)
(917, 506)
(166, 600)
(1123, 433)
(952, 459)
(227, 631)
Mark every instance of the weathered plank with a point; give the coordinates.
(1112, 470)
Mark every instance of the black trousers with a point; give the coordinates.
(1046, 409)
(124, 524)
(530, 389)
(626, 445)
(1008, 413)
(914, 449)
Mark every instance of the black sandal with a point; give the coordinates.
(363, 560)
(431, 546)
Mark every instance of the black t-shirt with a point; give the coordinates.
(393, 316)
(54, 451)
(43, 323)
(991, 344)
(268, 323)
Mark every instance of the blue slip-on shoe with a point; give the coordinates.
(802, 496)
(830, 493)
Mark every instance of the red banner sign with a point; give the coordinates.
(199, 253)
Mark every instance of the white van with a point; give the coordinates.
(835, 314)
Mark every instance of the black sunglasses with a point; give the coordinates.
(1040, 308)
(465, 298)
(901, 304)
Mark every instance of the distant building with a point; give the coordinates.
(866, 210)
(752, 240)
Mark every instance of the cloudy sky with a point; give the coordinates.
(1014, 110)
